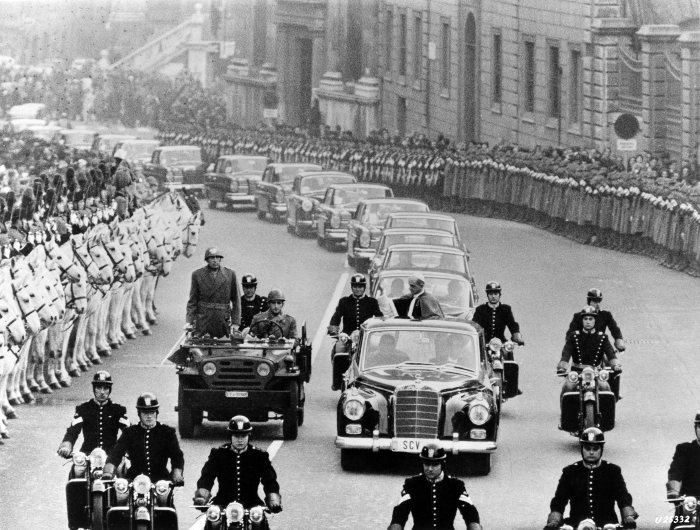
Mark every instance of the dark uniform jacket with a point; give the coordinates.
(685, 468)
(149, 451)
(495, 321)
(592, 493)
(427, 307)
(434, 505)
(250, 308)
(604, 321)
(588, 348)
(238, 475)
(100, 425)
(214, 302)
(287, 322)
(354, 311)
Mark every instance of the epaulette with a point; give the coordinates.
(577, 332)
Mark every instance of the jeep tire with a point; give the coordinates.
(185, 415)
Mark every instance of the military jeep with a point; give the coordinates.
(261, 378)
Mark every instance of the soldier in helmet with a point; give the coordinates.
(591, 487)
(604, 320)
(99, 419)
(214, 305)
(239, 468)
(251, 303)
(433, 497)
(276, 300)
(150, 445)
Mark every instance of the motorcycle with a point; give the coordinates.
(235, 517)
(86, 490)
(141, 505)
(686, 515)
(505, 369)
(341, 357)
(589, 524)
(590, 404)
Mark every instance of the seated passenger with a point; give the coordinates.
(455, 294)
(387, 353)
(454, 351)
(272, 316)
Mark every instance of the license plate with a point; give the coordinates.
(407, 445)
(236, 394)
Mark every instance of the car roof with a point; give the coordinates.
(432, 248)
(242, 157)
(179, 148)
(311, 167)
(448, 324)
(358, 185)
(78, 131)
(391, 200)
(406, 230)
(323, 172)
(431, 215)
(431, 273)
(111, 136)
(140, 141)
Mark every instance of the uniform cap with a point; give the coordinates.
(212, 252)
(102, 378)
(239, 425)
(592, 435)
(147, 402)
(432, 453)
(493, 287)
(358, 279)
(249, 280)
(275, 294)
(595, 294)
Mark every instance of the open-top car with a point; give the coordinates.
(414, 382)
(428, 220)
(271, 192)
(233, 180)
(308, 189)
(47, 133)
(176, 167)
(78, 139)
(103, 144)
(261, 378)
(365, 228)
(136, 152)
(334, 212)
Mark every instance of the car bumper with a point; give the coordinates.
(239, 199)
(336, 235)
(175, 186)
(305, 225)
(365, 253)
(393, 444)
(280, 208)
(246, 399)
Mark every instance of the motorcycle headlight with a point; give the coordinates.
(572, 377)
(142, 484)
(79, 459)
(209, 369)
(263, 369)
(354, 409)
(355, 336)
(162, 487)
(603, 375)
(213, 513)
(586, 524)
(364, 239)
(509, 346)
(335, 221)
(256, 514)
(121, 485)
(307, 205)
(588, 376)
(234, 512)
(98, 458)
(479, 413)
(690, 504)
(279, 196)
(495, 344)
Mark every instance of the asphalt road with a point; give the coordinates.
(544, 277)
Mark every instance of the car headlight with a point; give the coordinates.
(234, 186)
(256, 514)
(263, 369)
(479, 413)
(79, 459)
(98, 458)
(142, 484)
(572, 377)
(209, 369)
(234, 512)
(307, 205)
(213, 513)
(690, 504)
(121, 485)
(354, 409)
(364, 239)
(162, 487)
(335, 221)
(279, 196)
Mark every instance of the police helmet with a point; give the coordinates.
(276, 295)
(592, 435)
(594, 294)
(493, 287)
(358, 280)
(239, 425)
(147, 402)
(432, 453)
(102, 378)
(249, 280)
(697, 418)
(589, 311)
(212, 252)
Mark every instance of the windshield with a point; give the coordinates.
(423, 222)
(424, 259)
(139, 150)
(241, 164)
(377, 213)
(286, 173)
(455, 295)
(180, 157)
(355, 195)
(437, 347)
(321, 182)
(416, 239)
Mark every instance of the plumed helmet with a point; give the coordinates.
(493, 287)
(213, 252)
(122, 178)
(592, 435)
(432, 453)
(249, 280)
(358, 280)
(595, 295)
(589, 311)
(120, 154)
(276, 295)
(152, 181)
(102, 378)
(239, 425)
(147, 402)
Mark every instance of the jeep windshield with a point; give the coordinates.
(419, 348)
(180, 157)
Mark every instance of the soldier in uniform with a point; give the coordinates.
(276, 300)
(214, 303)
(495, 317)
(684, 473)
(591, 487)
(433, 497)
(603, 322)
(150, 445)
(251, 303)
(239, 468)
(99, 419)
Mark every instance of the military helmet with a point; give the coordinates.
(102, 378)
(592, 435)
(147, 402)
(239, 425)
(212, 252)
(249, 280)
(275, 294)
(493, 287)
(432, 452)
(589, 311)
(595, 295)
(358, 280)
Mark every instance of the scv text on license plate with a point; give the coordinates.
(407, 445)
(236, 394)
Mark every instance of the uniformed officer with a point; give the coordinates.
(214, 303)
(354, 309)
(251, 303)
(150, 445)
(604, 320)
(495, 317)
(684, 473)
(433, 497)
(288, 323)
(239, 468)
(591, 487)
(99, 419)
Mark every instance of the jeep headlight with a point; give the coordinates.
(307, 205)
(263, 369)
(479, 413)
(354, 409)
(234, 186)
(234, 512)
(142, 484)
(364, 239)
(209, 369)
(335, 221)
(213, 513)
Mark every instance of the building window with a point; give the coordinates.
(402, 44)
(497, 62)
(529, 76)
(417, 46)
(445, 59)
(389, 38)
(554, 95)
(575, 88)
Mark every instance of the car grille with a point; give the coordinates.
(416, 413)
(237, 374)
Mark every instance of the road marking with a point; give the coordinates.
(321, 331)
(172, 350)
(274, 447)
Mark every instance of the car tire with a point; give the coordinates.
(589, 416)
(185, 416)
(480, 464)
(97, 516)
(352, 459)
(261, 215)
(298, 232)
(351, 261)
(300, 417)
(290, 419)
(291, 229)
(320, 241)
(212, 204)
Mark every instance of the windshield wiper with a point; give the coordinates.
(456, 368)
(412, 363)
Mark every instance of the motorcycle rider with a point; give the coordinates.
(251, 303)
(288, 323)
(604, 322)
(100, 419)
(433, 497)
(591, 487)
(239, 468)
(495, 317)
(684, 472)
(150, 444)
